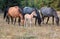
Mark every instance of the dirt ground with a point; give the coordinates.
(45, 31)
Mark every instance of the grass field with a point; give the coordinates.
(45, 31)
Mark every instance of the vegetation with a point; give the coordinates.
(31, 3)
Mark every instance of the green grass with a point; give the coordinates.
(45, 31)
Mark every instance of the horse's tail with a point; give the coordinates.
(5, 12)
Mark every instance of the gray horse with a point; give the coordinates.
(49, 12)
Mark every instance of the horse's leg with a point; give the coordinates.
(11, 20)
(53, 20)
(19, 21)
(30, 23)
(47, 20)
(14, 21)
(43, 19)
(8, 19)
(27, 22)
(35, 20)
(24, 22)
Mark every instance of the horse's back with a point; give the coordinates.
(27, 10)
(28, 16)
(47, 11)
(13, 11)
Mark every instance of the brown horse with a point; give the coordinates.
(14, 12)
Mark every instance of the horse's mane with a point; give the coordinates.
(53, 9)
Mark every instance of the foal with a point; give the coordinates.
(29, 18)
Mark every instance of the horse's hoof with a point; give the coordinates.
(19, 24)
(22, 25)
(46, 23)
(39, 24)
(43, 23)
(35, 24)
(52, 23)
(8, 23)
(57, 24)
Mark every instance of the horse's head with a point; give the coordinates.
(56, 16)
(57, 20)
(34, 13)
(38, 17)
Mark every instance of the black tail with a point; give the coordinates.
(5, 12)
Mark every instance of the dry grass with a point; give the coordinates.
(45, 31)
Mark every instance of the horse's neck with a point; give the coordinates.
(31, 15)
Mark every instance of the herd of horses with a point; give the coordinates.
(25, 15)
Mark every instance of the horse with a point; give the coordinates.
(49, 12)
(28, 10)
(14, 12)
(29, 18)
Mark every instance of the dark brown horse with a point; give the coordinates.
(14, 12)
